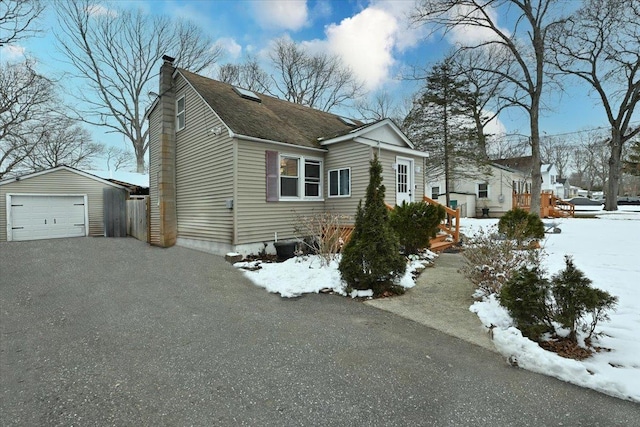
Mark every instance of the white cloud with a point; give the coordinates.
(11, 52)
(365, 43)
(469, 35)
(100, 10)
(407, 35)
(281, 14)
(495, 126)
(230, 46)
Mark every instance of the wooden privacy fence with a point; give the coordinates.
(138, 218)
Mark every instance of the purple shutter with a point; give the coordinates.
(271, 159)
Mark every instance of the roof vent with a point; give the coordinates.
(347, 121)
(247, 94)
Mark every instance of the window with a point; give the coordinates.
(288, 177)
(483, 191)
(435, 192)
(340, 182)
(180, 115)
(312, 178)
(300, 178)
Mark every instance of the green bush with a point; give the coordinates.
(575, 298)
(525, 296)
(415, 224)
(536, 303)
(520, 225)
(372, 258)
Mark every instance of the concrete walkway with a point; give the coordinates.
(441, 300)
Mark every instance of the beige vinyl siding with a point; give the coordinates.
(58, 182)
(352, 155)
(257, 219)
(387, 159)
(204, 172)
(154, 167)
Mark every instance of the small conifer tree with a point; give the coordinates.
(372, 259)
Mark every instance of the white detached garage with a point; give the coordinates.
(56, 203)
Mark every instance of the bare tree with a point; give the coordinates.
(381, 105)
(115, 53)
(486, 100)
(248, 75)
(17, 18)
(556, 151)
(118, 158)
(522, 52)
(25, 98)
(65, 142)
(319, 81)
(600, 45)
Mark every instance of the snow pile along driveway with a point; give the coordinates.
(606, 249)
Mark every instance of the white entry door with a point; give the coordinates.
(404, 181)
(33, 217)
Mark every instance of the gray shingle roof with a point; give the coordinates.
(272, 118)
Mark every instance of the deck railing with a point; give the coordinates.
(551, 206)
(451, 223)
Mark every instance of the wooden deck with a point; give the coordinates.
(550, 205)
(448, 236)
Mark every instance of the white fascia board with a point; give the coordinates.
(269, 141)
(362, 131)
(390, 147)
(72, 170)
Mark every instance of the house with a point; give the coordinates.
(231, 170)
(548, 171)
(59, 202)
(488, 194)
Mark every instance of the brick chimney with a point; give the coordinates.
(167, 153)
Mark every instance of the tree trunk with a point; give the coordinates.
(536, 163)
(615, 161)
(140, 163)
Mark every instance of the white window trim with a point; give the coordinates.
(338, 196)
(178, 113)
(488, 190)
(301, 179)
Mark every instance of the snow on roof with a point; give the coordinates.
(139, 179)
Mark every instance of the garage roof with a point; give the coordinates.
(57, 168)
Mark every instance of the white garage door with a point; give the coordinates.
(36, 217)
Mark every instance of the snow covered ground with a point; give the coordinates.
(606, 249)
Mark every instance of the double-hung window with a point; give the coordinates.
(483, 191)
(180, 113)
(435, 193)
(340, 182)
(300, 178)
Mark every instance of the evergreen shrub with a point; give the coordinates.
(536, 303)
(520, 225)
(415, 224)
(372, 258)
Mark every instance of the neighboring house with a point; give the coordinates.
(491, 190)
(525, 164)
(58, 202)
(231, 170)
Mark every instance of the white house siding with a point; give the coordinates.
(58, 182)
(500, 183)
(257, 219)
(204, 173)
(348, 155)
(154, 166)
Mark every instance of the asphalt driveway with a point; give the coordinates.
(97, 331)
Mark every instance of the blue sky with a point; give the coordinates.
(372, 36)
